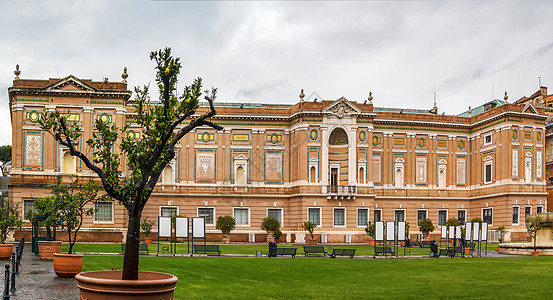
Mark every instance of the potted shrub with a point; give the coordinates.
(67, 207)
(225, 224)
(452, 222)
(501, 238)
(270, 225)
(146, 227)
(425, 226)
(278, 234)
(370, 232)
(533, 225)
(309, 227)
(163, 124)
(46, 208)
(9, 221)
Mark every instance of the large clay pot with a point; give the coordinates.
(148, 240)
(467, 250)
(270, 236)
(371, 242)
(6, 251)
(536, 253)
(68, 265)
(312, 241)
(100, 285)
(46, 249)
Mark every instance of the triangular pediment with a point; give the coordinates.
(70, 83)
(529, 108)
(341, 107)
(241, 157)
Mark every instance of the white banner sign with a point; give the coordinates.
(451, 232)
(457, 232)
(401, 231)
(475, 229)
(443, 232)
(181, 227)
(484, 232)
(198, 227)
(468, 231)
(164, 227)
(379, 231)
(390, 231)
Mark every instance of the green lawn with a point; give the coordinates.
(318, 278)
(246, 248)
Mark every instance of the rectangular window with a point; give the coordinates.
(103, 212)
(488, 173)
(488, 139)
(242, 216)
(168, 211)
(362, 216)
(27, 206)
(275, 213)
(442, 217)
(462, 216)
(515, 214)
(487, 215)
(207, 213)
(539, 209)
(527, 211)
(422, 214)
(378, 215)
(314, 215)
(339, 217)
(399, 215)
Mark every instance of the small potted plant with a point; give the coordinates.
(309, 227)
(225, 224)
(146, 228)
(278, 234)
(9, 221)
(501, 239)
(270, 225)
(425, 226)
(46, 209)
(370, 232)
(533, 225)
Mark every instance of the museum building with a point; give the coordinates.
(338, 163)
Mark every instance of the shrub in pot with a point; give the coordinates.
(278, 234)
(309, 227)
(533, 225)
(501, 238)
(425, 226)
(9, 221)
(370, 230)
(163, 126)
(226, 224)
(146, 227)
(46, 208)
(270, 225)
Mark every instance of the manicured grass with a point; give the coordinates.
(247, 248)
(318, 278)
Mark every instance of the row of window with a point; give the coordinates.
(103, 210)
(527, 211)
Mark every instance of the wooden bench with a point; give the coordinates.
(286, 251)
(447, 252)
(314, 250)
(141, 248)
(383, 250)
(207, 248)
(426, 244)
(416, 244)
(342, 252)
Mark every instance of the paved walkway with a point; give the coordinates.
(37, 280)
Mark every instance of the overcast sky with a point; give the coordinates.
(267, 52)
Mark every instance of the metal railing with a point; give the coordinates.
(341, 189)
(9, 283)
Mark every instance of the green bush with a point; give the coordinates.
(426, 226)
(270, 224)
(309, 226)
(476, 220)
(9, 219)
(452, 222)
(278, 233)
(225, 223)
(146, 226)
(370, 229)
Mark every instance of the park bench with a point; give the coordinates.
(383, 250)
(314, 250)
(286, 251)
(426, 244)
(141, 248)
(416, 244)
(447, 252)
(342, 252)
(207, 248)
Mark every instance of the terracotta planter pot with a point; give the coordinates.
(226, 237)
(536, 253)
(6, 251)
(68, 265)
(148, 240)
(467, 250)
(270, 236)
(46, 249)
(312, 241)
(277, 239)
(371, 242)
(104, 285)
(498, 249)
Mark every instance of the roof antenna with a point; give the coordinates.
(539, 81)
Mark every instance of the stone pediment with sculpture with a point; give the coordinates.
(341, 108)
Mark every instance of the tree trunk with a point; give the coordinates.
(130, 261)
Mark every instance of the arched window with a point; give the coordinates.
(361, 175)
(338, 137)
(240, 178)
(168, 175)
(442, 172)
(399, 165)
(313, 175)
(528, 167)
(68, 166)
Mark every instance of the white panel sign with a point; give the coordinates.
(181, 227)
(484, 232)
(164, 227)
(401, 231)
(390, 231)
(379, 228)
(198, 227)
(475, 230)
(451, 232)
(444, 232)
(468, 231)
(458, 232)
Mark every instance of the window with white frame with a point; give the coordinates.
(487, 139)
(487, 215)
(462, 216)
(539, 209)
(208, 213)
(339, 216)
(515, 214)
(378, 215)
(399, 215)
(242, 216)
(442, 217)
(488, 169)
(527, 211)
(103, 212)
(27, 207)
(422, 214)
(314, 215)
(275, 213)
(167, 211)
(362, 216)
